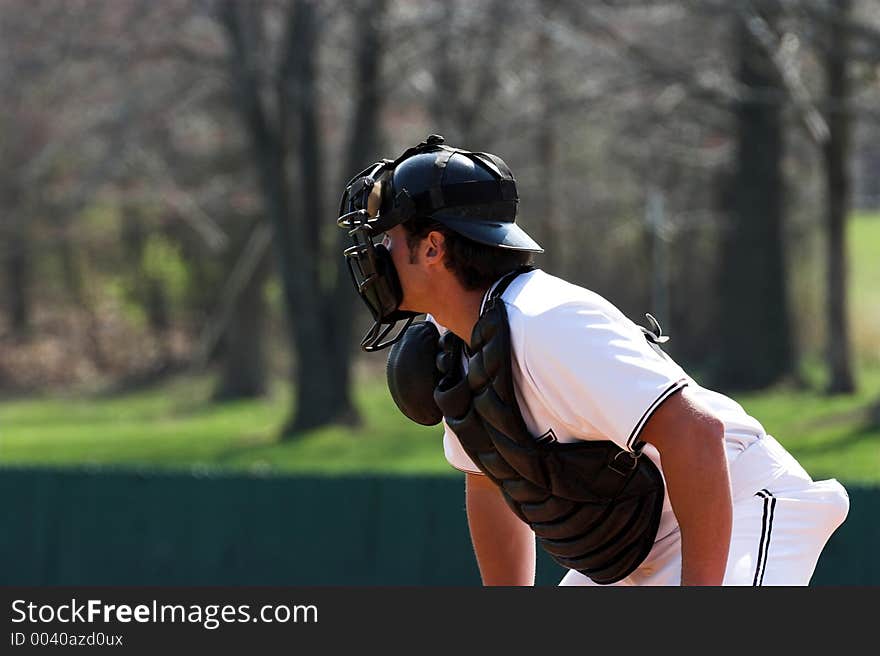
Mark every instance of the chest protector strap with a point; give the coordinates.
(593, 506)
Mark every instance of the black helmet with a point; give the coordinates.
(473, 194)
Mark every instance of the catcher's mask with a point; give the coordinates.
(473, 194)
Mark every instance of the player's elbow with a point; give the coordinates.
(704, 434)
(714, 428)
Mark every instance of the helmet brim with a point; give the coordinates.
(501, 234)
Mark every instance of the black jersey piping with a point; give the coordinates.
(665, 394)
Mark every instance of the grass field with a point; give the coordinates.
(176, 426)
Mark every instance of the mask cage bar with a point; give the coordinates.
(361, 257)
(372, 340)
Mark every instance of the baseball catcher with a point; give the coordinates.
(575, 430)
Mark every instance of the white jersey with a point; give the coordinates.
(584, 371)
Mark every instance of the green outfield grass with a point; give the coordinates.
(176, 426)
(832, 437)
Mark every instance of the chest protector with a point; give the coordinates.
(593, 506)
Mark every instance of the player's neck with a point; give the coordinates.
(458, 309)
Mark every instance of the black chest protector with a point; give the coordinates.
(593, 506)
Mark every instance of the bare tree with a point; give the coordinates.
(243, 356)
(464, 94)
(755, 340)
(365, 141)
(279, 104)
(547, 142)
(836, 153)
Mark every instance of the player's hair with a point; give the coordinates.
(477, 266)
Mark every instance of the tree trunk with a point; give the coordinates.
(836, 152)
(547, 151)
(243, 372)
(447, 88)
(18, 278)
(268, 144)
(462, 90)
(320, 333)
(320, 399)
(364, 145)
(754, 339)
(477, 130)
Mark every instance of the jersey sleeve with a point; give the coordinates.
(597, 372)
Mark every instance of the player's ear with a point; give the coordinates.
(435, 246)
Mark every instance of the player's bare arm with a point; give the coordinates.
(504, 545)
(691, 445)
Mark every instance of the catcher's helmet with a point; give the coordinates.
(473, 194)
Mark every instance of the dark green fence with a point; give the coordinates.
(75, 527)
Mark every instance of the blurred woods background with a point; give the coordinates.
(171, 171)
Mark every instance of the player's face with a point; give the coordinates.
(409, 269)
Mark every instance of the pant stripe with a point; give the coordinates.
(766, 530)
